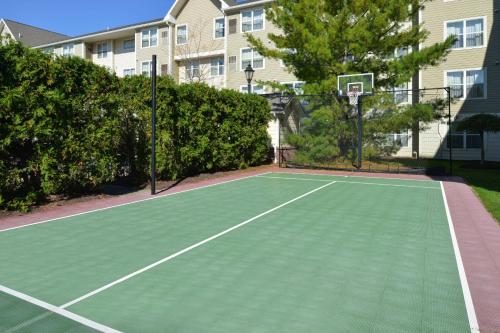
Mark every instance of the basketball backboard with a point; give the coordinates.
(360, 83)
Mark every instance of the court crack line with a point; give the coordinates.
(192, 247)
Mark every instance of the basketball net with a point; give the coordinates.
(353, 96)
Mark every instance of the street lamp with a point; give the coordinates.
(249, 71)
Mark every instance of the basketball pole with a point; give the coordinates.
(360, 131)
(153, 126)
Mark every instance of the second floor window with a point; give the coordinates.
(182, 36)
(102, 50)
(468, 33)
(254, 58)
(219, 29)
(129, 45)
(150, 37)
(217, 66)
(68, 49)
(252, 20)
(467, 83)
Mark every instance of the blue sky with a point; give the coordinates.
(76, 17)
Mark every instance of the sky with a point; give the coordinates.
(76, 17)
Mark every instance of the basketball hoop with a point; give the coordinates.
(353, 96)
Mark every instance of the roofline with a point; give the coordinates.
(247, 5)
(35, 27)
(103, 33)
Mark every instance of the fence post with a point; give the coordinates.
(360, 131)
(153, 126)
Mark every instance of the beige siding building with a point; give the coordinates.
(204, 40)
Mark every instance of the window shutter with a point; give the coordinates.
(232, 26)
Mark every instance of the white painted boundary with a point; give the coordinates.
(469, 305)
(192, 247)
(354, 176)
(57, 310)
(350, 182)
(132, 202)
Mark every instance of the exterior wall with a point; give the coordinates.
(123, 58)
(199, 16)
(146, 53)
(436, 13)
(272, 71)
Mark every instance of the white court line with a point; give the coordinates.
(353, 176)
(58, 310)
(194, 246)
(350, 182)
(469, 305)
(132, 202)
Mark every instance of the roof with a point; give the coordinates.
(118, 28)
(32, 36)
(225, 5)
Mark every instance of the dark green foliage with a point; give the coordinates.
(68, 126)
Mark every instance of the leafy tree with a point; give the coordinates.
(480, 123)
(321, 39)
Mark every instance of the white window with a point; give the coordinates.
(219, 27)
(68, 49)
(217, 66)
(182, 35)
(463, 140)
(102, 50)
(252, 57)
(401, 94)
(469, 83)
(256, 89)
(129, 72)
(193, 69)
(147, 68)
(149, 37)
(48, 50)
(398, 139)
(129, 45)
(469, 33)
(252, 20)
(296, 86)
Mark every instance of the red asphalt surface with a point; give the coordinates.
(478, 234)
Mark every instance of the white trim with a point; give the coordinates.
(469, 305)
(241, 60)
(205, 54)
(247, 5)
(54, 309)
(464, 20)
(349, 182)
(192, 247)
(252, 10)
(170, 49)
(133, 202)
(464, 84)
(214, 26)
(226, 55)
(8, 29)
(351, 176)
(187, 33)
(245, 86)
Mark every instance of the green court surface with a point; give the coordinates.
(277, 252)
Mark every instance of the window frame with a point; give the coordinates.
(245, 86)
(464, 82)
(463, 135)
(464, 27)
(149, 38)
(72, 48)
(253, 19)
(218, 66)
(103, 52)
(242, 68)
(215, 27)
(189, 69)
(298, 91)
(129, 48)
(131, 70)
(177, 34)
(150, 68)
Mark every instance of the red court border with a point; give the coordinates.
(477, 232)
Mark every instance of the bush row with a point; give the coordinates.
(68, 126)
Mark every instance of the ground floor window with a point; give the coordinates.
(463, 140)
(398, 139)
(193, 69)
(147, 68)
(256, 89)
(295, 86)
(217, 66)
(128, 72)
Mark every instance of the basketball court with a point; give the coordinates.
(273, 252)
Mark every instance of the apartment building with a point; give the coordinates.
(204, 40)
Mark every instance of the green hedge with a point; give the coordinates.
(68, 126)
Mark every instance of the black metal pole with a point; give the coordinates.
(360, 132)
(153, 126)
(249, 87)
(448, 90)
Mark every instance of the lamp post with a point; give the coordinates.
(249, 71)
